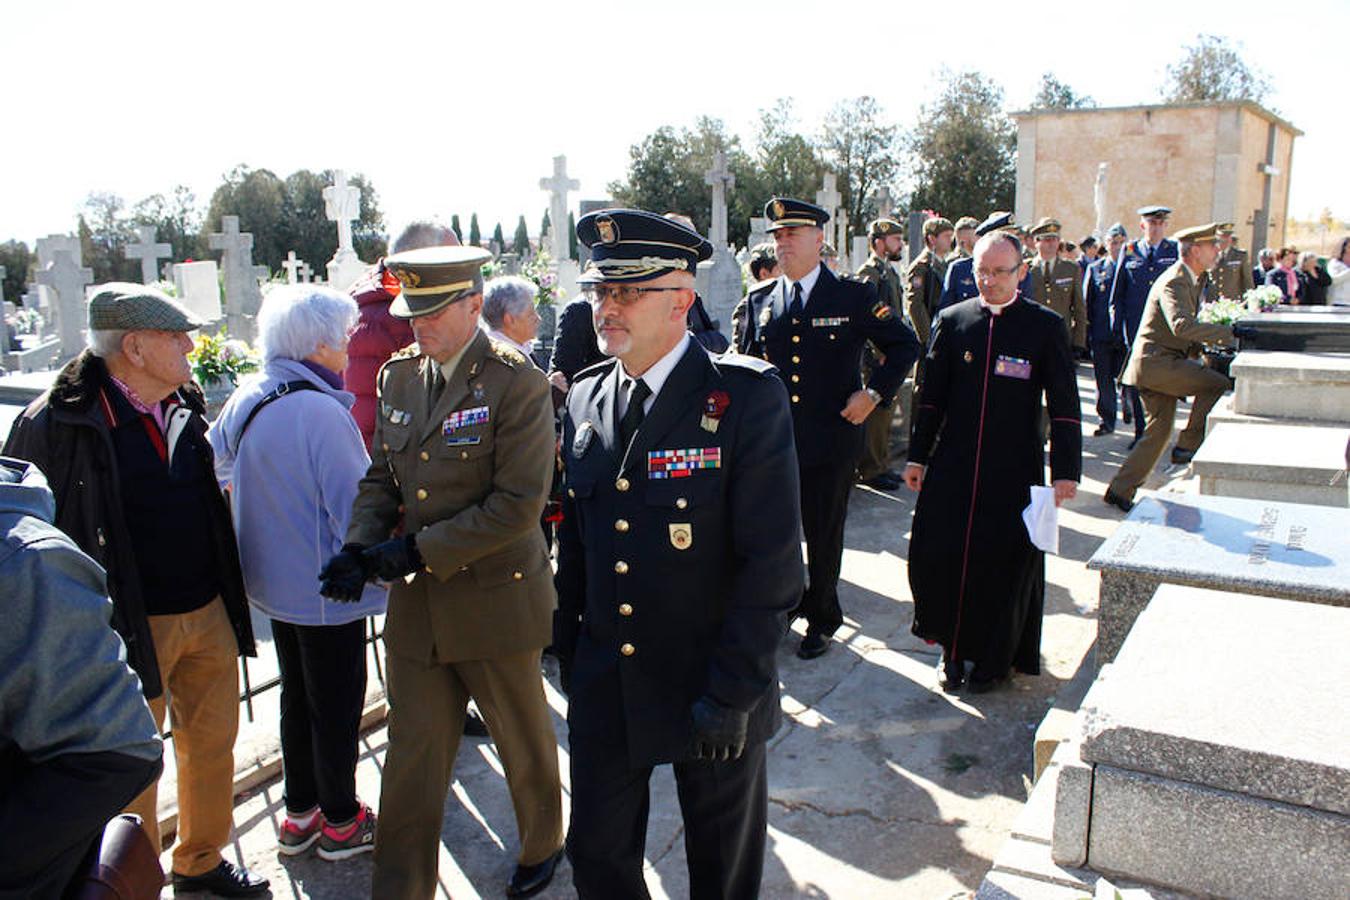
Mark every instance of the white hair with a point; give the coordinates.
(106, 342)
(296, 318)
(508, 294)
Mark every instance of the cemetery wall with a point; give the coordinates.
(1200, 159)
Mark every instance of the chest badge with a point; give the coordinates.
(582, 441)
(765, 315)
(681, 535)
(478, 392)
(713, 408)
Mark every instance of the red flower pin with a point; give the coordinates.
(716, 404)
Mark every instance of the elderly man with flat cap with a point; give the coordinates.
(812, 326)
(888, 246)
(1163, 363)
(461, 465)
(121, 437)
(678, 563)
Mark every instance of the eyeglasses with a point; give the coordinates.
(624, 295)
(987, 274)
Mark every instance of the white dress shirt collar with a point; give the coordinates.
(655, 377)
(808, 281)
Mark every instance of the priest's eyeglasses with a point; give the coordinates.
(998, 272)
(622, 294)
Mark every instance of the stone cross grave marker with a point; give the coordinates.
(759, 231)
(46, 254)
(306, 273)
(67, 280)
(292, 265)
(885, 203)
(829, 198)
(242, 293)
(721, 179)
(149, 253)
(558, 187)
(342, 204)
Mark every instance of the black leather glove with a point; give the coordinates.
(719, 731)
(393, 559)
(1244, 332)
(344, 576)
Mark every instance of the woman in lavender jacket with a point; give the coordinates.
(292, 476)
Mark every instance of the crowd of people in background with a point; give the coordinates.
(399, 452)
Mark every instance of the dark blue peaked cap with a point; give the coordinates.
(785, 212)
(634, 245)
(993, 222)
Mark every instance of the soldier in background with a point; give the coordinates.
(888, 246)
(1108, 354)
(1056, 283)
(1231, 276)
(923, 278)
(1143, 261)
(965, 237)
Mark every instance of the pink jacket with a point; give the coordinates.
(377, 337)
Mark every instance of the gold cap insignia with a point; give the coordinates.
(408, 278)
(607, 230)
(778, 209)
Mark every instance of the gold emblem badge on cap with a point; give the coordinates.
(606, 229)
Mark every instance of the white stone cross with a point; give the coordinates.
(885, 205)
(293, 266)
(149, 253)
(67, 280)
(242, 294)
(342, 204)
(558, 187)
(721, 179)
(306, 273)
(828, 196)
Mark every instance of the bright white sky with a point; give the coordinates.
(457, 107)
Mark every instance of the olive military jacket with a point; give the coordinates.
(923, 291)
(1059, 286)
(470, 477)
(1231, 276)
(1169, 329)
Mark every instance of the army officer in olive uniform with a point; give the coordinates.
(1058, 283)
(888, 246)
(463, 453)
(1163, 363)
(1231, 276)
(678, 563)
(812, 325)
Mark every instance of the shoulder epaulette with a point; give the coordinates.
(506, 354)
(411, 351)
(745, 362)
(761, 285)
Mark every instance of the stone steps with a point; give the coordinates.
(1281, 384)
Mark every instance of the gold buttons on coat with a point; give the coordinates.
(625, 609)
(796, 339)
(796, 359)
(429, 572)
(621, 485)
(571, 493)
(384, 447)
(681, 503)
(517, 576)
(425, 455)
(421, 493)
(796, 399)
(627, 649)
(796, 378)
(621, 525)
(464, 454)
(621, 567)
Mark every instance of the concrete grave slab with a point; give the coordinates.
(1293, 463)
(1292, 385)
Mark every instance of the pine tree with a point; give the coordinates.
(497, 236)
(475, 236)
(454, 226)
(521, 243)
(571, 235)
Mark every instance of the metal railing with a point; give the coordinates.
(373, 636)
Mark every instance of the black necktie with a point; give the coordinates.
(437, 386)
(795, 307)
(634, 414)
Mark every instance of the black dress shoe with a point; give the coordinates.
(526, 881)
(1104, 429)
(474, 726)
(813, 645)
(1117, 501)
(883, 482)
(1127, 415)
(980, 685)
(951, 674)
(1133, 442)
(225, 880)
(1181, 457)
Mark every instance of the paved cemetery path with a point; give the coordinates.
(880, 785)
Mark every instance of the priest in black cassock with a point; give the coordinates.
(975, 452)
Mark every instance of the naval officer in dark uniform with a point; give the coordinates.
(678, 565)
(812, 325)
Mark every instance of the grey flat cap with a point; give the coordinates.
(121, 306)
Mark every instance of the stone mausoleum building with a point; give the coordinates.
(1210, 162)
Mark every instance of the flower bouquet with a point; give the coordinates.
(218, 361)
(1263, 299)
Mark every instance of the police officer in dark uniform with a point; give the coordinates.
(812, 325)
(678, 565)
(1140, 265)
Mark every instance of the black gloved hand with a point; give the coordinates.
(344, 576)
(719, 731)
(1244, 332)
(393, 559)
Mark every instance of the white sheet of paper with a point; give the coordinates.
(1042, 519)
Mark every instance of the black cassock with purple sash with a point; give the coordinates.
(978, 581)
